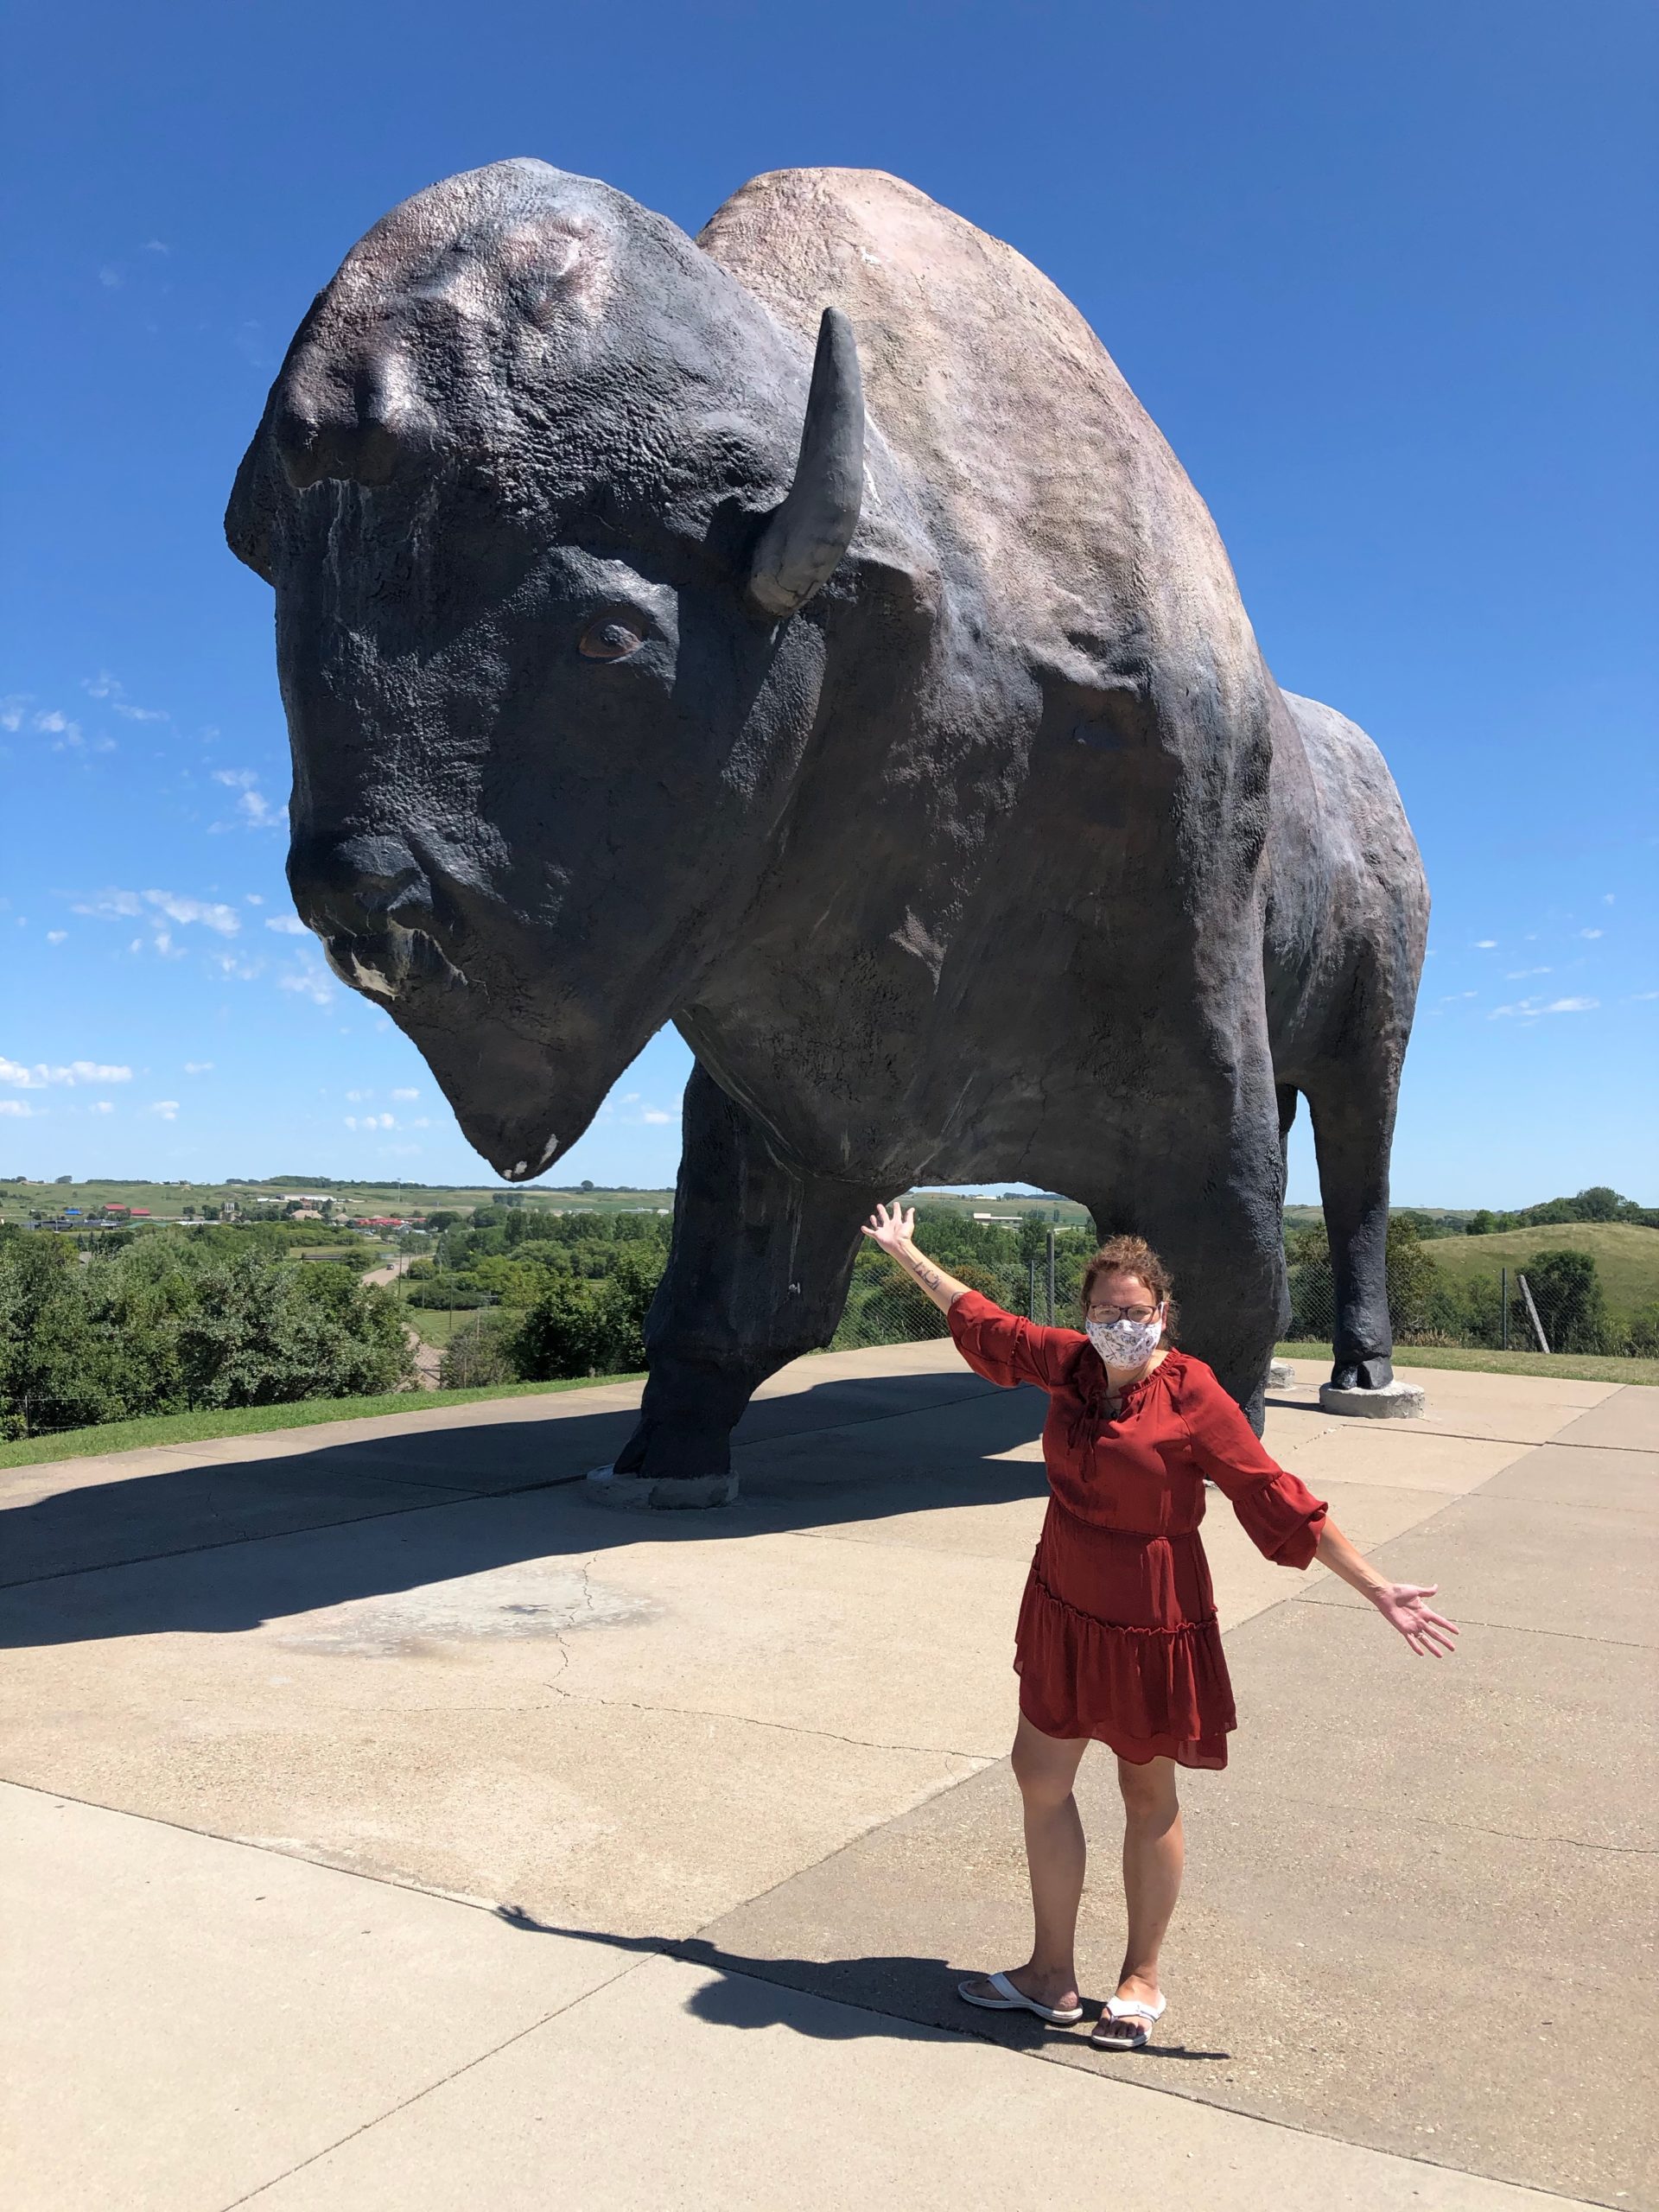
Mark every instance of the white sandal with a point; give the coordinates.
(1010, 2000)
(1120, 2025)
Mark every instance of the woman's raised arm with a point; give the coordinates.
(891, 1228)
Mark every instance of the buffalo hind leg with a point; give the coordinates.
(757, 1274)
(1352, 1106)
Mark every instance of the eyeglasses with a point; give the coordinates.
(1121, 1312)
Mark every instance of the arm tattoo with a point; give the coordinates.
(928, 1277)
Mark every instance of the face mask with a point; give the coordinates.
(1126, 1344)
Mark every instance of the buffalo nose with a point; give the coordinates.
(359, 421)
(366, 450)
(361, 888)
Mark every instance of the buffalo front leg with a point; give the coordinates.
(757, 1274)
(1209, 1199)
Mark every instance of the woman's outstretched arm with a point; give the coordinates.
(892, 1230)
(1401, 1603)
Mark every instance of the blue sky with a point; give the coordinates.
(1380, 276)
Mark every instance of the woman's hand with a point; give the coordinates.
(892, 1230)
(891, 1227)
(1401, 1605)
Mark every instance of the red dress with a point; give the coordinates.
(1117, 1636)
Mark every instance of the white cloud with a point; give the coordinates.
(254, 898)
(256, 809)
(167, 1107)
(1589, 932)
(56, 936)
(11, 712)
(287, 925)
(1644, 994)
(406, 1094)
(1609, 898)
(38, 1077)
(1529, 1009)
(1485, 944)
(1520, 975)
(105, 686)
(655, 1113)
(197, 1067)
(356, 1097)
(210, 913)
(310, 979)
(18, 1109)
(102, 1106)
(66, 736)
(371, 1121)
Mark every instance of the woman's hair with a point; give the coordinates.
(1132, 1256)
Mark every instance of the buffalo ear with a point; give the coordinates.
(805, 539)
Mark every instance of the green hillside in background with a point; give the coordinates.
(1626, 1256)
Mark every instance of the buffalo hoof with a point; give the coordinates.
(1391, 1401)
(659, 1493)
(1362, 1374)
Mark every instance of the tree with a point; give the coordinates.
(1571, 1305)
(1599, 1203)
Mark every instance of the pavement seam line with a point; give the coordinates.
(442, 2082)
(1049, 2054)
(1500, 1628)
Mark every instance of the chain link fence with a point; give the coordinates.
(885, 1307)
(1555, 1304)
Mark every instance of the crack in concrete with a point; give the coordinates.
(783, 1727)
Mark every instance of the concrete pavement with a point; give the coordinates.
(387, 1824)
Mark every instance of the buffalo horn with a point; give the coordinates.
(805, 537)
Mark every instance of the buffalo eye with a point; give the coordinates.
(609, 639)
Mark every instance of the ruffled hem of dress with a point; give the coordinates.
(1150, 1693)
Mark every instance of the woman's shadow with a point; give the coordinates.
(890, 1995)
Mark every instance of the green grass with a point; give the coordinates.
(1626, 1256)
(1577, 1367)
(259, 1420)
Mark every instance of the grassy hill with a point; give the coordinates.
(1626, 1256)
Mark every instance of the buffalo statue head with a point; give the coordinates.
(540, 488)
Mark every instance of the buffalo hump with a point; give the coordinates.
(1019, 440)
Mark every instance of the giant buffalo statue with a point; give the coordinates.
(922, 768)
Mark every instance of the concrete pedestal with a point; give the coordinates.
(658, 1493)
(1393, 1402)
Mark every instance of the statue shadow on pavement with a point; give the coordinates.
(232, 1544)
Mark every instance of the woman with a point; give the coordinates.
(1117, 1638)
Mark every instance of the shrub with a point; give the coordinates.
(577, 1328)
(479, 1354)
(262, 1334)
(171, 1323)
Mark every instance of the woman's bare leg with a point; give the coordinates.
(1046, 1767)
(1154, 1854)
